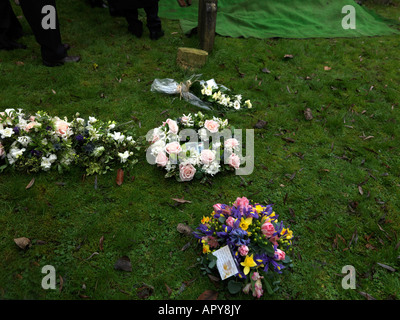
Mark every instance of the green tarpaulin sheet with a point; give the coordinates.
(282, 18)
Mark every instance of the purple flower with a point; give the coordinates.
(236, 237)
(16, 130)
(79, 137)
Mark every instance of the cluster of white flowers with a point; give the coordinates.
(48, 161)
(226, 100)
(40, 142)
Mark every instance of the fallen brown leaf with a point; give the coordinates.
(23, 242)
(101, 243)
(186, 230)
(61, 283)
(30, 184)
(120, 177)
(181, 200)
(208, 295)
(308, 114)
(145, 291)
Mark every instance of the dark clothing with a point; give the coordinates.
(10, 27)
(135, 4)
(129, 8)
(50, 39)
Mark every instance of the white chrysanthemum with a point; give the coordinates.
(203, 134)
(212, 168)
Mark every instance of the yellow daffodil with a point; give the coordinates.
(247, 264)
(244, 223)
(205, 220)
(259, 208)
(289, 234)
(206, 248)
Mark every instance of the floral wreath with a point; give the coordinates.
(257, 240)
(41, 142)
(190, 159)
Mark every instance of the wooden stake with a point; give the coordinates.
(207, 22)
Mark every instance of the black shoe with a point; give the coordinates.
(136, 30)
(155, 35)
(60, 62)
(11, 45)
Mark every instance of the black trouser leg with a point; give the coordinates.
(153, 21)
(10, 28)
(49, 39)
(135, 26)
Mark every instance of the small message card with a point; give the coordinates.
(225, 263)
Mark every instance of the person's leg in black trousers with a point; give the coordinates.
(153, 21)
(10, 28)
(135, 26)
(54, 52)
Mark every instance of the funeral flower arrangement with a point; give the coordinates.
(204, 94)
(40, 142)
(220, 97)
(186, 159)
(257, 240)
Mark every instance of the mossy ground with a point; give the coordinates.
(358, 97)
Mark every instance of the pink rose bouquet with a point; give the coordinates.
(189, 147)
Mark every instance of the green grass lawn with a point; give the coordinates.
(313, 182)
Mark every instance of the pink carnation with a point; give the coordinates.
(243, 250)
(234, 161)
(279, 255)
(268, 229)
(230, 221)
(217, 207)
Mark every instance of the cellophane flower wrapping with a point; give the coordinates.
(208, 95)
